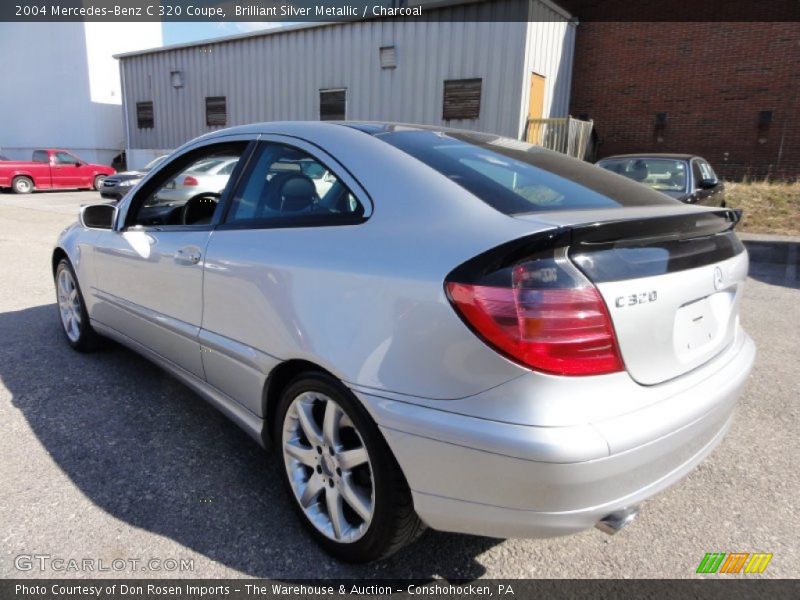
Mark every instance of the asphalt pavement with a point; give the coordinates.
(106, 457)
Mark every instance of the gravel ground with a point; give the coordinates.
(104, 456)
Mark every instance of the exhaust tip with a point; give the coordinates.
(614, 522)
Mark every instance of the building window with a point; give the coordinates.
(176, 78)
(332, 105)
(462, 99)
(144, 115)
(216, 111)
(388, 57)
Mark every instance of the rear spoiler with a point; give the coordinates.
(683, 241)
(637, 232)
(637, 248)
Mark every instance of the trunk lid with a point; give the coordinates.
(671, 281)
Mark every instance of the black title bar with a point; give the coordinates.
(419, 10)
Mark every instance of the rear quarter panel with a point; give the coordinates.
(365, 301)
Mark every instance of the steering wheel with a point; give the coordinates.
(199, 209)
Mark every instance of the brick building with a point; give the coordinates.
(727, 91)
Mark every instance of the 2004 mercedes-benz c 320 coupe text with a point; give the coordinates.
(431, 326)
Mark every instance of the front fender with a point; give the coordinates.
(76, 243)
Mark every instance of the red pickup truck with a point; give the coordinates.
(51, 169)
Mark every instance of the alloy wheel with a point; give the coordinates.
(328, 467)
(69, 305)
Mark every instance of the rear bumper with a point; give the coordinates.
(500, 479)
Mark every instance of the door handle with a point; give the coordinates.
(190, 255)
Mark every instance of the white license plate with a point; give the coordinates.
(696, 326)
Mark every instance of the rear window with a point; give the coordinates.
(515, 177)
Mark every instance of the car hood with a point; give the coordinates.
(674, 194)
(126, 176)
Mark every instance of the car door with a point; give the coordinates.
(85, 173)
(65, 170)
(149, 269)
(261, 289)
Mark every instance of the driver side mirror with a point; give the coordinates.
(98, 216)
(707, 184)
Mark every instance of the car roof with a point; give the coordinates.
(667, 155)
(370, 127)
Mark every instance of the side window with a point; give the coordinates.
(64, 158)
(187, 191)
(705, 170)
(41, 156)
(286, 186)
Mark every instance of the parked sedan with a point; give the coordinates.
(461, 331)
(685, 177)
(209, 176)
(116, 186)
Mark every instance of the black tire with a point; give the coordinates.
(22, 185)
(98, 182)
(87, 340)
(394, 523)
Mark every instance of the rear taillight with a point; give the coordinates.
(190, 181)
(539, 311)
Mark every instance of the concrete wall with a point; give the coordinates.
(61, 86)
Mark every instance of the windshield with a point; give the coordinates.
(515, 177)
(662, 174)
(153, 163)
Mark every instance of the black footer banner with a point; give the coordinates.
(266, 589)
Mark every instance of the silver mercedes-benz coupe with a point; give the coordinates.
(432, 327)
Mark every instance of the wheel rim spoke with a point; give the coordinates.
(306, 419)
(307, 456)
(349, 459)
(330, 424)
(333, 500)
(313, 488)
(357, 501)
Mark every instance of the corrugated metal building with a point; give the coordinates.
(467, 69)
